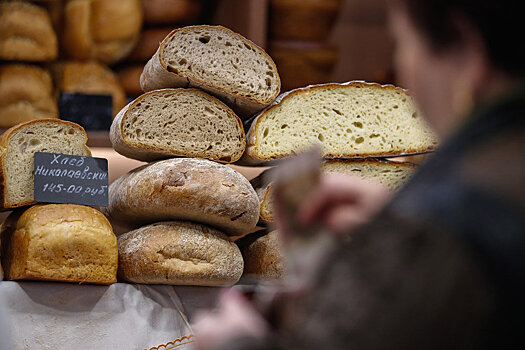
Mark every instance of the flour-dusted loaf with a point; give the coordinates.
(26, 33)
(391, 174)
(185, 189)
(89, 77)
(179, 253)
(102, 30)
(26, 93)
(59, 242)
(178, 122)
(354, 119)
(217, 60)
(263, 256)
(17, 148)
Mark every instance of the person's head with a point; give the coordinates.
(454, 54)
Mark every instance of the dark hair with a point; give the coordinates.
(500, 24)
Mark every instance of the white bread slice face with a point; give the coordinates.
(391, 174)
(178, 122)
(354, 119)
(217, 60)
(17, 148)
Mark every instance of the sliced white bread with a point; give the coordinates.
(178, 122)
(391, 174)
(217, 60)
(354, 119)
(17, 148)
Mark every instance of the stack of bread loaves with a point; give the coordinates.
(54, 242)
(357, 125)
(184, 209)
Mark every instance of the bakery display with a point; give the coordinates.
(170, 11)
(26, 33)
(59, 242)
(147, 44)
(89, 77)
(217, 60)
(391, 174)
(179, 253)
(26, 93)
(354, 119)
(178, 122)
(263, 256)
(103, 30)
(185, 189)
(17, 148)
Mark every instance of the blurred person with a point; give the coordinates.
(442, 264)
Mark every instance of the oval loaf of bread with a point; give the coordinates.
(263, 256)
(391, 174)
(354, 119)
(218, 61)
(178, 122)
(17, 148)
(178, 253)
(185, 189)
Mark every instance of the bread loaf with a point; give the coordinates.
(17, 148)
(179, 253)
(263, 256)
(59, 242)
(89, 77)
(170, 11)
(218, 61)
(129, 77)
(306, 20)
(178, 122)
(354, 119)
(103, 30)
(185, 189)
(26, 33)
(26, 93)
(391, 174)
(147, 44)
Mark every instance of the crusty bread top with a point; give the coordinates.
(219, 58)
(369, 117)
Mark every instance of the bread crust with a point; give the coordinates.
(179, 253)
(149, 153)
(59, 242)
(185, 189)
(4, 141)
(263, 256)
(156, 76)
(251, 157)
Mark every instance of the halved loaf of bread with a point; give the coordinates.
(391, 174)
(178, 253)
(354, 119)
(218, 61)
(178, 122)
(189, 189)
(17, 148)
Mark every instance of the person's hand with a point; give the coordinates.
(342, 202)
(234, 318)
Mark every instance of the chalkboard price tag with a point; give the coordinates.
(62, 178)
(93, 112)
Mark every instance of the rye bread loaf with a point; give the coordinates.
(59, 242)
(184, 189)
(178, 122)
(178, 253)
(391, 174)
(217, 60)
(263, 256)
(354, 119)
(17, 148)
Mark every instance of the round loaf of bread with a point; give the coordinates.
(178, 253)
(263, 256)
(190, 189)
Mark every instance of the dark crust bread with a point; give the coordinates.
(4, 141)
(251, 158)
